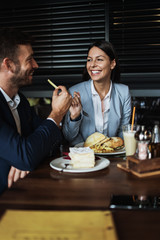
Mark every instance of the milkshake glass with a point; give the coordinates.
(130, 142)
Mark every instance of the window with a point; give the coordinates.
(63, 31)
(135, 32)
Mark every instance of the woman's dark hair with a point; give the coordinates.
(108, 48)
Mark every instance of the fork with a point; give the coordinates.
(66, 165)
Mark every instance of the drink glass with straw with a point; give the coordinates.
(129, 131)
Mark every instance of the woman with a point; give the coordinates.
(99, 104)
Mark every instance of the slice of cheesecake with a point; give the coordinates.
(82, 157)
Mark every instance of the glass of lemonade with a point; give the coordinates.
(130, 142)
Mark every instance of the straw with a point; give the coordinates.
(52, 83)
(133, 115)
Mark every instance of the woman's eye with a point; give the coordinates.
(88, 60)
(100, 59)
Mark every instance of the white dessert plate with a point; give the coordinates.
(63, 165)
(117, 152)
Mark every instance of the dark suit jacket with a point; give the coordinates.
(24, 152)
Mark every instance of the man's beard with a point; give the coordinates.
(20, 78)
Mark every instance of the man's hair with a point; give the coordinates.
(10, 39)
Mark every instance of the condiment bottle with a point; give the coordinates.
(143, 138)
(154, 146)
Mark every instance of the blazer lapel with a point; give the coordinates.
(114, 113)
(5, 112)
(111, 115)
(88, 105)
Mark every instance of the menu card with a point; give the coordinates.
(57, 225)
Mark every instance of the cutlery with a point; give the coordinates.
(85, 114)
(66, 165)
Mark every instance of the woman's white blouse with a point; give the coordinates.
(101, 109)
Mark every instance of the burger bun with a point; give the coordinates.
(94, 139)
(103, 144)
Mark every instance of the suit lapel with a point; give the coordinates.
(6, 113)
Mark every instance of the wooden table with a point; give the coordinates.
(47, 189)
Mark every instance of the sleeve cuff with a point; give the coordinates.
(77, 119)
(52, 120)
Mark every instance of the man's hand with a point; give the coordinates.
(61, 101)
(76, 106)
(14, 175)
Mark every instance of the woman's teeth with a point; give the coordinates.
(95, 72)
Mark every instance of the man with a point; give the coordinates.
(25, 140)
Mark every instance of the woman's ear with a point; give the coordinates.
(113, 64)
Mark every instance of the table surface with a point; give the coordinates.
(48, 189)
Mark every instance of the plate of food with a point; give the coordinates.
(63, 164)
(103, 145)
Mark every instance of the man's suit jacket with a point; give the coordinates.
(119, 114)
(26, 151)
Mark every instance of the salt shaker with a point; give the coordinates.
(143, 138)
(156, 134)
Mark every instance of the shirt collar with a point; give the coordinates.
(13, 103)
(94, 92)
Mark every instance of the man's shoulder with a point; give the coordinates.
(24, 103)
(22, 95)
(23, 98)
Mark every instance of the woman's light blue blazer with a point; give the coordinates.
(119, 114)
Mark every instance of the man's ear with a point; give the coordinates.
(8, 64)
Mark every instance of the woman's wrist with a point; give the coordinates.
(75, 118)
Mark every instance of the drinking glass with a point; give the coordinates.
(130, 142)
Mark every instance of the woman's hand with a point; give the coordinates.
(76, 106)
(14, 175)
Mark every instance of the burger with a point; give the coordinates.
(103, 144)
